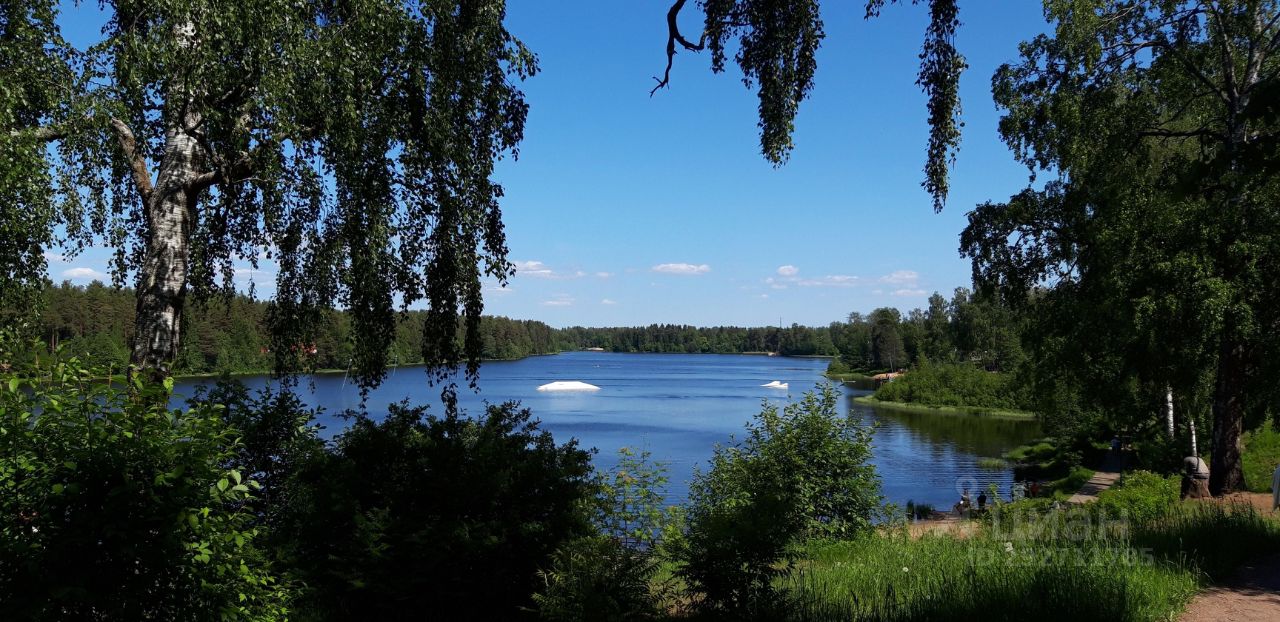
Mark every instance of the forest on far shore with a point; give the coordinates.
(230, 334)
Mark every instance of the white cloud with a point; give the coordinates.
(682, 268)
(604, 275)
(901, 277)
(84, 273)
(909, 292)
(606, 301)
(54, 257)
(764, 296)
(834, 280)
(775, 283)
(539, 270)
(498, 290)
(533, 268)
(788, 270)
(561, 300)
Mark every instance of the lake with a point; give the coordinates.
(678, 406)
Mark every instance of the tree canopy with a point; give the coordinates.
(1160, 234)
(351, 142)
(777, 42)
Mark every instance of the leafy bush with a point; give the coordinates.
(631, 504)
(804, 471)
(955, 384)
(1139, 496)
(611, 576)
(119, 509)
(598, 578)
(1261, 456)
(452, 516)
(277, 433)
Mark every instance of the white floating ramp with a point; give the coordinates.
(775, 385)
(568, 385)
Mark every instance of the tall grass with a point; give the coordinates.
(1072, 566)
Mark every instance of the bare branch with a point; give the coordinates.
(1180, 133)
(673, 37)
(137, 163)
(41, 134)
(240, 170)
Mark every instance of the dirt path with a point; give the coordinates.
(1252, 595)
(1105, 477)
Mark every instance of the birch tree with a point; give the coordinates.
(1158, 122)
(351, 142)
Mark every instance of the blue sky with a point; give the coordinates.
(625, 209)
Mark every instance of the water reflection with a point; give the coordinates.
(931, 458)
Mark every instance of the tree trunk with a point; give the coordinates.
(1195, 451)
(1168, 401)
(162, 277)
(1226, 473)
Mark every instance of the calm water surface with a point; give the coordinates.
(678, 406)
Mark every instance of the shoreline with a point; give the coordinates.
(263, 372)
(968, 411)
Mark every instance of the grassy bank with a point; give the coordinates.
(846, 376)
(870, 400)
(1111, 570)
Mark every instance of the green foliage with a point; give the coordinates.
(1215, 538)
(355, 142)
(1034, 559)
(777, 43)
(612, 575)
(631, 504)
(599, 578)
(117, 508)
(970, 328)
(450, 515)
(803, 471)
(1261, 457)
(1140, 496)
(277, 434)
(794, 340)
(954, 384)
(230, 334)
(983, 578)
(1149, 255)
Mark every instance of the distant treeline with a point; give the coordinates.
(229, 334)
(795, 340)
(966, 329)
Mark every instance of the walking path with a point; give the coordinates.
(1106, 475)
(1252, 595)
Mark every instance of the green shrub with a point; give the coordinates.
(957, 385)
(598, 578)
(611, 576)
(631, 506)
(1261, 456)
(804, 471)
(1139, 496)
(277, 433)
(837, 367)
(117, 508)
(450, 517)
